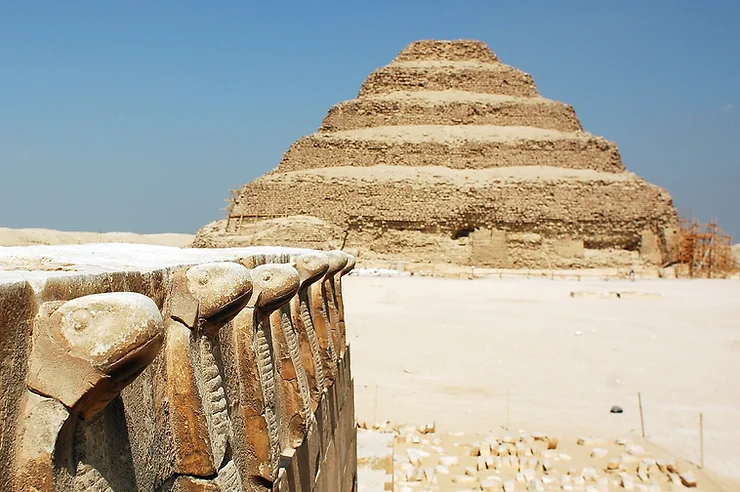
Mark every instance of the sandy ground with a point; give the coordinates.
(493, 354)
(28, 237)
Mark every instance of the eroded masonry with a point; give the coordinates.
(447, 154)
(130, 367)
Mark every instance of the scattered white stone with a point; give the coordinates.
(536, 485)
(442, 470)
(464, 479)
(642, 472)
(578, 481)
(687, 479)
(599, 453)
(415, 455)
(589, 473)
(488, 484)
(635, 449)
(471, 471)
(509, 486)
(675, 478)
(449, 460)
(549, 480)
(626, 481)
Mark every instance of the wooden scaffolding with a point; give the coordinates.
(704, 250)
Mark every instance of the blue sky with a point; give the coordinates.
(140, 116)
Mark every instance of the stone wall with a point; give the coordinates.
(154, 368)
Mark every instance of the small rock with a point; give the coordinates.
(642, 473)
(489, 484)
(536, 485)
(616, 409)
(538, 436)
(442, 470)
(464, 479)
(675, 478)
(599, 453)
(626, 481)
(415, 455)
(471, 471)
(552, 443)
(578, 481)
(687, 479)
(589, 473)
(485, 449)
(509, 486)
(635, 449)
(449, 460)
(612, 464)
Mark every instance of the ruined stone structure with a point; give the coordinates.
(447, 154)
(183, 370)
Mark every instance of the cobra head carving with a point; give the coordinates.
(91, 347)
(351, 261)
(337, 261)
(311, 267)
(274, 285)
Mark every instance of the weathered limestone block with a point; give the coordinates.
(351, 260)
(650, 249)
(293, 380)
(489, 248)
(83, 353)
(323, 315)
(195, 381)
(260, 416)
(311, 268)
(337, 262)
(179, 410)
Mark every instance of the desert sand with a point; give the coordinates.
(498, 355)
(29, 237)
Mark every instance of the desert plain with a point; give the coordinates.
(500, 355)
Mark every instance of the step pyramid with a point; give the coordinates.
(447, 154)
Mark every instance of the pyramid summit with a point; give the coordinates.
(448, 154)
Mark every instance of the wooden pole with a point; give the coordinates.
(642, 422)
(701, 440)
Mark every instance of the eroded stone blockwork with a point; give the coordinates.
(200, 377)
(447, 154)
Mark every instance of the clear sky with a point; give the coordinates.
(140, 116)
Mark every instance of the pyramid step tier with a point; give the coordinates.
(450, 108)
(469, 147)
(485, 78)
(604, 210)
(457, 50)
